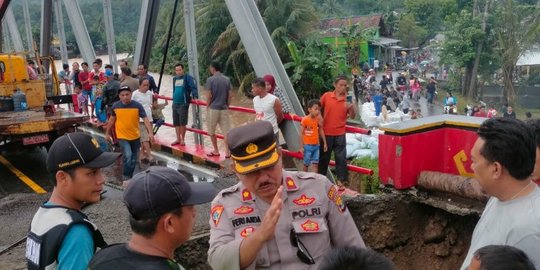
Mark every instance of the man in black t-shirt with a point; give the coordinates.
(161, 203)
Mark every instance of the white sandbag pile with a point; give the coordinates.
(360, 145)
(369, 118)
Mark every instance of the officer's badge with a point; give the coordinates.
(95, 142)
(340, 204)
(332, 192)
(310, 226)
(252, 148)
(291, 184)
(242, 210)
(216, 214)
(247, 231)
(304, 200)
(246, 195)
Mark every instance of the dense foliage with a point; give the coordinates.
(481, 36)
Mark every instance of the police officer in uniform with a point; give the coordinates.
(60, 236)
(273, 218)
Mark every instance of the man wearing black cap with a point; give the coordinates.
(60, 235)
(125, 116)
(161, 203)
(274, 218)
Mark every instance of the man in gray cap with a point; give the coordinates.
(60, 235)
(273, 218)
(161, 203)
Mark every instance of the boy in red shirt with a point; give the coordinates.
(311, 129)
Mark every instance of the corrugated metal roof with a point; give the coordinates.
(529, 58)
(384, 41)
(331, 27)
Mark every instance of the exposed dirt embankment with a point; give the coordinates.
(413, 235)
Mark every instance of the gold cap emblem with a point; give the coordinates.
(95, 142)
(252, 148)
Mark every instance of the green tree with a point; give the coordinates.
(331, 9)
(354, 35)
(430, 14)
(312, 69)
(463, 34)
(293, 20)
(517, 28)
(410, 34)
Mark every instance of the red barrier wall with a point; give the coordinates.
(438, 143)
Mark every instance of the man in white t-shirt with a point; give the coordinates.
(143, 96)
(267, 106)
(503, 159)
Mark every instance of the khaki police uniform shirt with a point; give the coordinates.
(311, 205)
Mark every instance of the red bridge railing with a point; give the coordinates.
(287, 116)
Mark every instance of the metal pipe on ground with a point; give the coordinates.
(453, 184)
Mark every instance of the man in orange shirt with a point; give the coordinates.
(310, 129)
(336, 108)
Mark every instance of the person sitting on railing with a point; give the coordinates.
(157, 113)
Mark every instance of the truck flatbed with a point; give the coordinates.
(35, 128)
(20, 123)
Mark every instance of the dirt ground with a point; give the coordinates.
(110, 215)
(411, 234)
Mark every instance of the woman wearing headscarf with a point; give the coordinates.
(272, 88)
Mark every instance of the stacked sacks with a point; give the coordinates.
(360, 145)
(369, 118)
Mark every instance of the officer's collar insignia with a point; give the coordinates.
(252, 148)
(290, 183)
(340, 204)
(242, 210)
(304, 200)
(246, 195)
(332, 192)
(247, 231)
(216, 214)
(310, 226)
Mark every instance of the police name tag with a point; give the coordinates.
(33, 248)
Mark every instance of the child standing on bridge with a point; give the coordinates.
(310, 133)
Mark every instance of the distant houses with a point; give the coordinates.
(376, 49)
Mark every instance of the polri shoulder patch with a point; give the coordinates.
(215, 214)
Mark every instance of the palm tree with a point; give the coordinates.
(284, 19)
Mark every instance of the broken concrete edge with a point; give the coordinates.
(371, 213)
(167, 149)
(448, 202)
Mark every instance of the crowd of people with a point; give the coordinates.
(272, 218)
